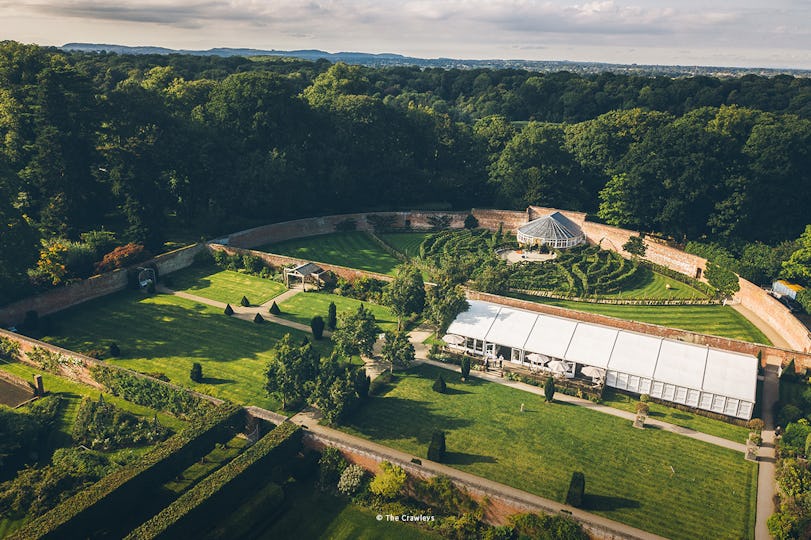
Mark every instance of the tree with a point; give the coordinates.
(356, 333)
(196, 373)
(351, 479)
(405, 294)
(317, 326)
(465, 368)
(398, 350)
(443, 305)
(804, 298)
(389, 481)
(291, 371)
(723, 280)
(798, 266)
(330, 466)
(436, 448)
(493, 278)
(362, 383)
(577, 488)
(635, 246)
(440, 385)
(332, 319)
(549, 389)
(471, 222)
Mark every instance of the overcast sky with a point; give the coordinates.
(745, 33)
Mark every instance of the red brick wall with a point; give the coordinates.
(771, 355)
(94, 287)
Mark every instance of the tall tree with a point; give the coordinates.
(291, 371)
(405, 294)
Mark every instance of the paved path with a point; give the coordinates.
(774, 336)
(766, 489)
(309, 420)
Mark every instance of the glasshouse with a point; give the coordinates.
(705, 378)
(554, 230)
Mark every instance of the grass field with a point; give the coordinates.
(352, 249)
(406, 243)
(655, 480)
(167, 334)
(650, 285)
(225, 285)
(714, 320)
(304, 306)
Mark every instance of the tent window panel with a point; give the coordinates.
(516, 355)
(622, 380)
(644, 386)
(611, 379)
(657, 390)
(706, 401)
(718, 403)
(731, 407)
(633, 383)
(681, 395)
(745, 410)
(669, 392)
(692, 397)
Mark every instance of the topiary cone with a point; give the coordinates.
(228, 310)
(244, 302)
(274, 309)
(258, 319)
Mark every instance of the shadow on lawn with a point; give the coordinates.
(397, 418)
(604, 503)
(463, 458)
(215, 380)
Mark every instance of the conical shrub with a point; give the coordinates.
(228, 310)
(258, 319)
(244, 302)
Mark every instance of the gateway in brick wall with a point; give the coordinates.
(712, 379)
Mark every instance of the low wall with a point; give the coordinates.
(497, 506)
(770, 355)
(272, 259)
(94, 287)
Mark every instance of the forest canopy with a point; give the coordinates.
(105, 150)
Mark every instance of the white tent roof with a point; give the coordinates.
(511, 327)
(681, 364)
(667, 361)
(635, 354)
(592, 345)
(476, 321)
(730, 374)
(550, 336)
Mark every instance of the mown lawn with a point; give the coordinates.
(166, 334)
(678, 417)
(351, 249)
(225, 285)
(406, 243)
(306, 305)
(655, 480)
(652, 285)
(714, 320)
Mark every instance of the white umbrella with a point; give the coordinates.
(593, 372)
(558, 366)
(536, 358)
(453, 339)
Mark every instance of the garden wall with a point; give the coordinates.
(498, 506)
(771, 355)
(93, 287)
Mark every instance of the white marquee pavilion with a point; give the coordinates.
(712, 379)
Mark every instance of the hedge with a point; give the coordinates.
(181, 513)
(76, 516)
(150, 393)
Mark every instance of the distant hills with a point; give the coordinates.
(391, 59)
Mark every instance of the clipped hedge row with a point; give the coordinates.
(149, 392)
(78, 516)
(191, 505)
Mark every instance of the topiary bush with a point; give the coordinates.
(317, 326)
(436, 448)
(274, 309)
(465, 368)
(113, 350)
(245, 302)
(228, 310)
(577, 488)
(258, 319)
(196, 373)
(440, 385)
(332, 316)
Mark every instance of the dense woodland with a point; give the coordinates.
(100, 150)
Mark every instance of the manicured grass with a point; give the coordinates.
(351, 249)
(714, 320)
(306, 305)
(219, 456)
(167, 334)
(308, 512)
(655, 480)
(406, 243)
(225, 285)
(652, 285)
(678, 417)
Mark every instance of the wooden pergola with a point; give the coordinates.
(304, 272)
